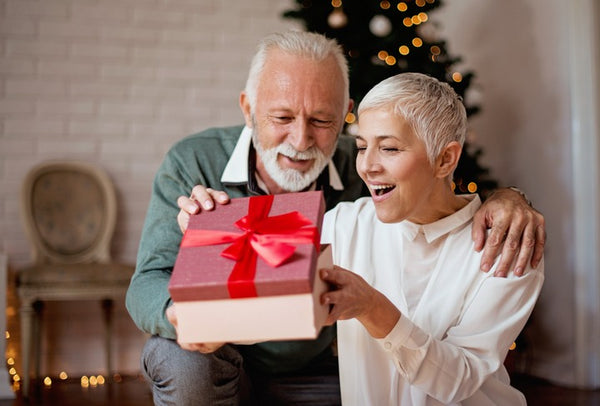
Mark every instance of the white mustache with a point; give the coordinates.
(290, 152)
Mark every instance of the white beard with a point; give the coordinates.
(287, 178)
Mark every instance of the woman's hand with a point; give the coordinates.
(352, 297)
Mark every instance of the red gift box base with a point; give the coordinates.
(285, 317)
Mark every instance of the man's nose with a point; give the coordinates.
(301, 136)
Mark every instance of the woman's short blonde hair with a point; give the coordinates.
(432, 108)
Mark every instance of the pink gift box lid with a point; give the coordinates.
(201, 273)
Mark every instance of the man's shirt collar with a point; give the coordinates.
(236, 171)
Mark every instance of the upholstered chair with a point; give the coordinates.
(69, 214)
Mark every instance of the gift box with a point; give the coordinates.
(248, 271)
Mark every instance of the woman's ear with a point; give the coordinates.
(447, 160)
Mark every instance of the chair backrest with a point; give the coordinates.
(69, 212)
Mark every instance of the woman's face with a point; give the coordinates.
(393, 163)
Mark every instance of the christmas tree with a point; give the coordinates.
(382, 39)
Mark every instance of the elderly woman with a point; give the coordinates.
(420, 323)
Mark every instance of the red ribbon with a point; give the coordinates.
(264, 236)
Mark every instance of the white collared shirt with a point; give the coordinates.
(236, 171)
(457, 322)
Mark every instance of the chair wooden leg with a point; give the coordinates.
(27, 314)
(38, 328)
(107, 307)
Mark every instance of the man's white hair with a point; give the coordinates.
(305, 44)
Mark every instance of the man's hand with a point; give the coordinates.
(189, 205)
(204, 348)
(517, 231)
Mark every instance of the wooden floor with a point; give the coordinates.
(133, 391)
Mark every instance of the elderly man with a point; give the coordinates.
(294, 105)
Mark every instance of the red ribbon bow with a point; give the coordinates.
(264, 236)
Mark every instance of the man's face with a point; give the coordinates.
(297, 118)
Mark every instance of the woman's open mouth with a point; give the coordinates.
(380, 190)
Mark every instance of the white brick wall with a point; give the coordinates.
(115, 82)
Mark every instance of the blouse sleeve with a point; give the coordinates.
(453, 368)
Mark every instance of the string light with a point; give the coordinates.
(404, 50)
(513, 346)
(390, 60)
(402, 6)
(382, 55)
(47, 381)
(350, 118)
(420, 3)
(435, 50)
(472, 187)
(457, 77)
(423, 17)
(336, 3)
(384, 4)
(417, 42)
(407, 22)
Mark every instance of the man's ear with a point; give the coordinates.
(246, 109)
(350, 106)
(447, 160)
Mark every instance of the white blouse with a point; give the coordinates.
(457, 322)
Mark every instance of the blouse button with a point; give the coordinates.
(387, 345)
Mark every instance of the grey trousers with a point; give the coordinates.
(184, 378)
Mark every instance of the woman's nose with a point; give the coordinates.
(367, 161)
